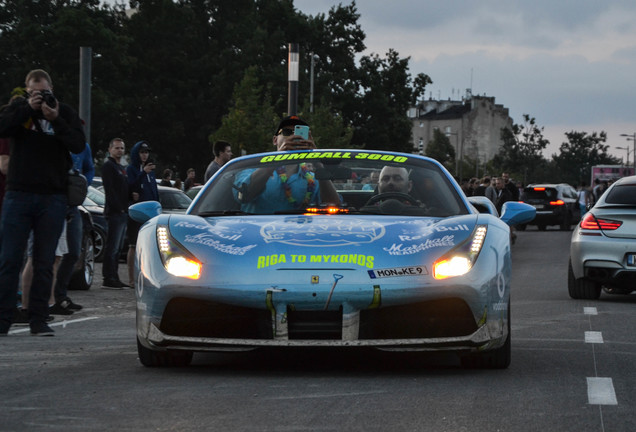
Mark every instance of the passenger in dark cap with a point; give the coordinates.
(267, 190)
(285, 139)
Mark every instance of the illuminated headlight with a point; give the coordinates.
(460, 260)
(176, 259)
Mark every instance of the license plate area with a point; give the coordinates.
(631, 260)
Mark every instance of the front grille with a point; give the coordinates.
(197, 318)
(314, 325)
(432, 319)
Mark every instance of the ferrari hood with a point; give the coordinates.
(259, 242)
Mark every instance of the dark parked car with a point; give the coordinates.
(173, 200)
(556, 204)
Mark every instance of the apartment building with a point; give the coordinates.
(473, 125)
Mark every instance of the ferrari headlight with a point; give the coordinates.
(460, 260)
(176, 259)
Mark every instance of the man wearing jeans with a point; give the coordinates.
(43, 131)
(116, 211)
(82, 162)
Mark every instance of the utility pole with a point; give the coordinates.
(86, 54)
(311, 85)
(292, 73)
(632, 137)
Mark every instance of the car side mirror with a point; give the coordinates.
(515, 213)
(144, 211)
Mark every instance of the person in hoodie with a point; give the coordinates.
(142, 183)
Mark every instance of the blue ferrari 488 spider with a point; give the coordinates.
(327, 248)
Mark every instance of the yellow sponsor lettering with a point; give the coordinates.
(357, 259)
(297, 156)
(334, 155)
(270, 260)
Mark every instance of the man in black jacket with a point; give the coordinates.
(503, 195)
(44, 130)
(116, 211)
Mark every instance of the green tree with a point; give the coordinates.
(582, 151)
(249, 125)
(328, 128)
(334, 40)
(387, 93)
(441, 149)
(521, 152)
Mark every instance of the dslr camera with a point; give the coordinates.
(48, 98)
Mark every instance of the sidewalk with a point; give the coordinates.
(101, 301)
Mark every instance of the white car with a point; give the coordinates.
(603, 246)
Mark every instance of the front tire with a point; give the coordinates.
(99, 243)
(151, 358)
(582, 289)
(82, 278)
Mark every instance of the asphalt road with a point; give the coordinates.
(571, 370)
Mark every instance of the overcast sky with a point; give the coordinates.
(571, 64)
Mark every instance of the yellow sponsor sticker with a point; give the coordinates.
(334, 155)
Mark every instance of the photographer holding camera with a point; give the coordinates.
(44, 131)
(142, 183)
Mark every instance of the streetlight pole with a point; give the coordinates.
(628, 151)
(632, 137)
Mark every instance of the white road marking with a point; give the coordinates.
(593, 337)
(590, 311)
(57, 324)
(600, 391)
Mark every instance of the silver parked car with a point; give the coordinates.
(603, 246)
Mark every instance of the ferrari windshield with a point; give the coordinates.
(345, 181)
